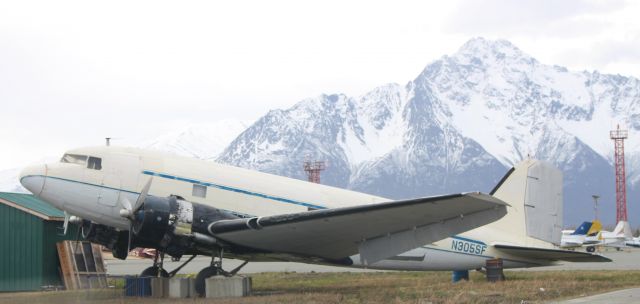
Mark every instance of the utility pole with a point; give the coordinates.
(595, 204)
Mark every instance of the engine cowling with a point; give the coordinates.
(171, 223)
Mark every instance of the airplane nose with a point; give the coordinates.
(32, 178)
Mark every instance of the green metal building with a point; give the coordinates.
(29, 231)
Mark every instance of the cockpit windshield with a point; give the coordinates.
(74, 159)
(89, 162)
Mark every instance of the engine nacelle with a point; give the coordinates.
(170, 223)
(151, 222)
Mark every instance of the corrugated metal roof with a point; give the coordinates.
(32, 203)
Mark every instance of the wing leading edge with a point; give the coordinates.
(376, 231)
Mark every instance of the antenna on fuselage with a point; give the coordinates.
(108, 140)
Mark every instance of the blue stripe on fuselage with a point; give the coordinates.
(239, 214)
(227, 188)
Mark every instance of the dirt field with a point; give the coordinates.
(382, 287)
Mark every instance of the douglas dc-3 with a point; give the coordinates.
(127, 197)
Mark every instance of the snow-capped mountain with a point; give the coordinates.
(458, 126)
(203, 141)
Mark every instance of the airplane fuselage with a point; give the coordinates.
(92, 183)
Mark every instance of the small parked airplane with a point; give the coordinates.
(126, 197)
(586, 234)
(633, 242)
(620, 237)
(590, 235)
(575, 238)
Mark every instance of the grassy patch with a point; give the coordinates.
(383, 287)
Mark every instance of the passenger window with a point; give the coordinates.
(74, 159)
(199, 191)
(95, 163)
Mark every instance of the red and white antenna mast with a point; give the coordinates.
(618, 137)
(313, 169)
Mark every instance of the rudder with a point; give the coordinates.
(533, 189)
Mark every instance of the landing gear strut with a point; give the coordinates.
(156, 270)
(214, 269)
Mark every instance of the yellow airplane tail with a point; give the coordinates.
(596, 227)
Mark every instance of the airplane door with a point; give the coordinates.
(121, 173)
(110, 190)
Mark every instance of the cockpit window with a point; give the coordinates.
(95, 163)
(74, 159)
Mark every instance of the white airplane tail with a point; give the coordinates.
(623, 230)
(533, 189)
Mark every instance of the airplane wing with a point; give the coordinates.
(376, 231)
(570, 244)
(551, 254)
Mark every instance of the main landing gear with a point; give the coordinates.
(213, 270)
(156, 270)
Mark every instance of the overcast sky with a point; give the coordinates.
(72, 73)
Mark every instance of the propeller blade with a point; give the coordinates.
(126, 204)
(130, 237)
(142, 197)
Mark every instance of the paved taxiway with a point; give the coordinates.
(622, 260)
(624, 296)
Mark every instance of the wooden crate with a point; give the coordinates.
(82, 265)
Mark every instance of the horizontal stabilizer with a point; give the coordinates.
(376, 231)
(551, 254)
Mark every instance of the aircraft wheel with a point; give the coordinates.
(153, 272)
(591, 249)
(120, 252)
(203, 275)
(119, 249)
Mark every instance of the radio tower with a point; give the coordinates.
(313, 169)
(618, 137)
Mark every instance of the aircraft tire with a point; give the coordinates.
(153, 272)
(120, 252)
(591, 249)
(205, 273)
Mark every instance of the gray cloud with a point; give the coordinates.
(531, 17)
(603, 54)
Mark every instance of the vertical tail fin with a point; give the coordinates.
(596, 227)
(583, 229)
(533, 188)
(623, 230)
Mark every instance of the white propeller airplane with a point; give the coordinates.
(127, 197)
(620, 237)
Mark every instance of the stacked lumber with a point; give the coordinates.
(82, 265)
